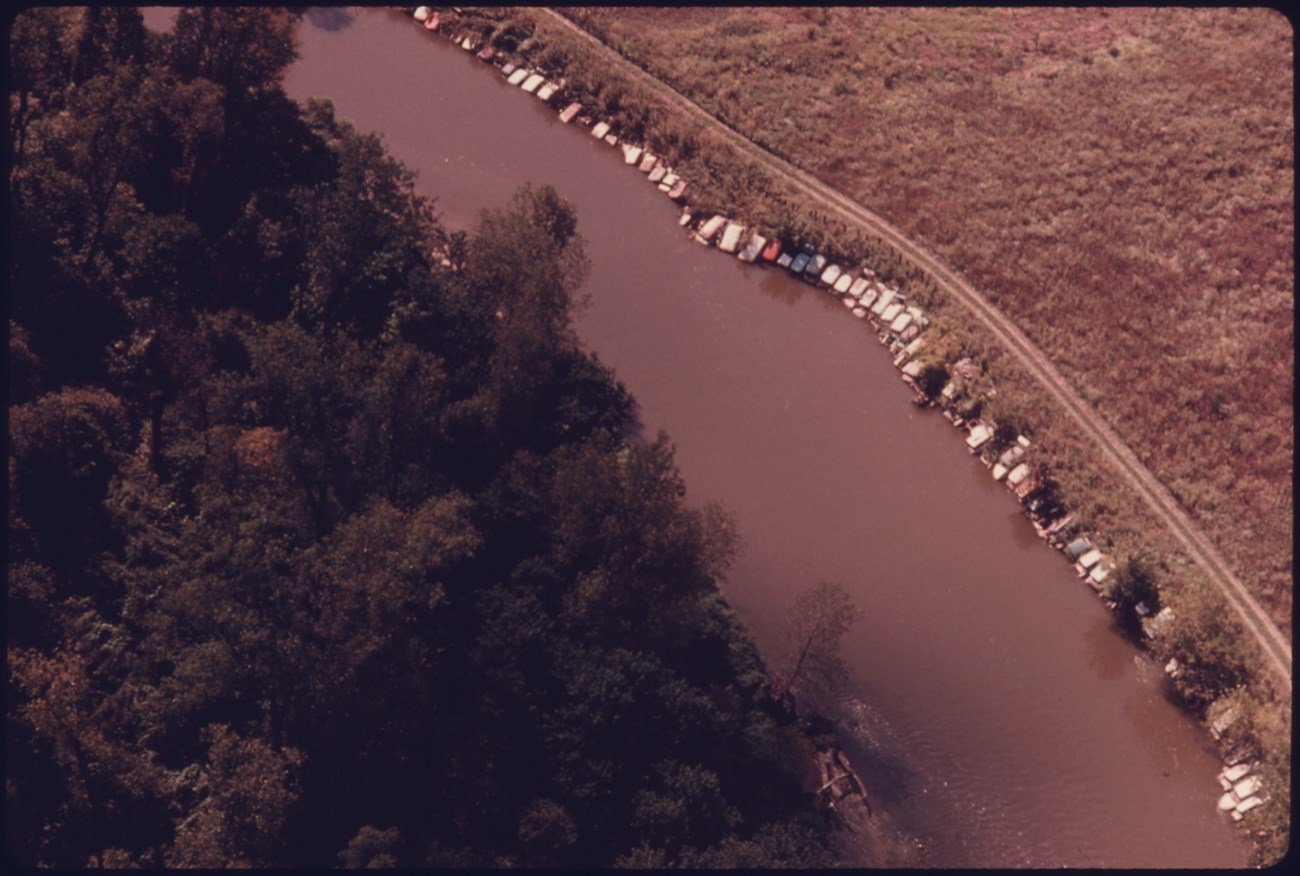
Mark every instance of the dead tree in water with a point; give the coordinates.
(822, 615)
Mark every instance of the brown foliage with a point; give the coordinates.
(248, 789)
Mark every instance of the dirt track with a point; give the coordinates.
(1273, 644)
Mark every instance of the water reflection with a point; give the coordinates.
(1022, 532)
(779, 287)
(1106, 656)
(635, 430)
(1144, 711)
(828, 299)
(330, 18)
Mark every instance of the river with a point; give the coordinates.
(991, 706)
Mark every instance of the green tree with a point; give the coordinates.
(112, 788)
(65, 448)
(245, 50)
(367, 236)
(394, 440)
(1131, 583)
(932, 379)
(790, 845)
(40, 53)
(247, 791)
(684, 808)
(525, 266)
(1008, 423)
(371, 849)
(274, 470)
(639, 557)
(1208, 643)
(546, 832)
(109, 35)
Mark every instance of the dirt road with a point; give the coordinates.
(1274, 645)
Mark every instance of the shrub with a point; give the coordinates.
(1207, 641)
(1132, 582)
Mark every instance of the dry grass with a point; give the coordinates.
(1121, 181)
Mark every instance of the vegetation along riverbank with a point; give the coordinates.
(1216, 669)
(325, 550)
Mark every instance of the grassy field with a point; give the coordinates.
(1120, 181)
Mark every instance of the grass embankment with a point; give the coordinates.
(1114, 181)
(1119, 181)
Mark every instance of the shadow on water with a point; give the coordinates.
(635, 431)
(1142, 711)
(1105, 657)
(778, 285)
(1022, 531)
(330, 18)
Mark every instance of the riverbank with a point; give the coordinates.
(1118, 181)
(938, 336)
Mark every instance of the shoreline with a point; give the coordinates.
(959, 389)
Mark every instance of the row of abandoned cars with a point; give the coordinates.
(898, 326)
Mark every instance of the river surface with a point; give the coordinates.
(991, 706)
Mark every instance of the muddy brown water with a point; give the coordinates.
(991, 706)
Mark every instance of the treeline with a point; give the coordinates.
(326, 546)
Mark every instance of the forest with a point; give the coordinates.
(328, 544)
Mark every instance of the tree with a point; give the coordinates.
(247, 792)
(683, 807)
(109, 35)
(245, 50)
(394, 441)
(1131, 583)
(367, 236)
(820, 618)
(525, 266)
(546, 831)
(791, 845)
(40, 48)
(311, 534)
(111, 787)
(1008, 423)
(638, 556)
(113, 120)
(932, 379)
(371, 849)
(1207, 640)
(240, 54)
(66, 447)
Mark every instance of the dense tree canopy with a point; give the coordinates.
(323, 551)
